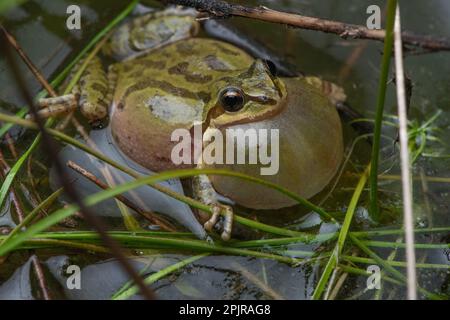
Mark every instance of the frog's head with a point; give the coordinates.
(247, 96)
(306, 151)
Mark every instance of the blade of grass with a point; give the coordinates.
(6, 5)
(363, 272)
(157, 276)
(134, 238)
(164, 243)
(388, 41)
(396, 263)
(150, 180)
(44, 204)
(37, 243)
(394, 272)
(129, 283)
(5, 127)
(334, 258)
(86, 235)
(306, 239)
(14, 170)
(374, 233)
(386, 244)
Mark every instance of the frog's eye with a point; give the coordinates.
(232, 99)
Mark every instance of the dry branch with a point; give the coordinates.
(224, 9)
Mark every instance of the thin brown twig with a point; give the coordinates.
(11, 146)
(12, 41)
(32, 182)
(150, 216)
(25, 190)
(20, 215)
(224, 9)
(40, 276)
(12, 193)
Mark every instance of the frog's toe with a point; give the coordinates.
(227, 212)
(55, 106)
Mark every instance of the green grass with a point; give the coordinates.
(387, 52)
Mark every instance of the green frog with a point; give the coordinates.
(166, 77)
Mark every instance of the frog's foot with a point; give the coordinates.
(52, 107)
(92, 95)
(205, 192)
(227, 213)
(335, 93)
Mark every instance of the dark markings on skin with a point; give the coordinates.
(137, 74)
(225, 49)
(99, 87)
(126, 67)
(215, 64)
(130, 41)
(237, 81)
(159, 65)
(182, 69)
(102, 103)
(249, 73)
(197, 78)
(167, 87)
(184, 48)
(120, 106)
(140, 66)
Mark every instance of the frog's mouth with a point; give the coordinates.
(218, 118)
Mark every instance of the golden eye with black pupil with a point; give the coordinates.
(231, 99)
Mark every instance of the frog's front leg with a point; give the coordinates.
(93, 95)
(55, 106)
(204, 192)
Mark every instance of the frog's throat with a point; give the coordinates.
(226, 120)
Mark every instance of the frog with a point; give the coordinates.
(166, 76)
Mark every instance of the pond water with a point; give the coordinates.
(39, 27)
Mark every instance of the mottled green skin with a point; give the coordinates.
(175, 83)
(94, 92)
(178, 85)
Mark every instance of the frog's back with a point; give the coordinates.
(168, 88)
(187, 66)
